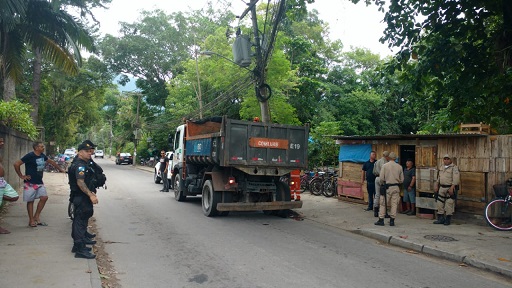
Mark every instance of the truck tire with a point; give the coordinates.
(210, 199)
(179, 194)
(157, 178)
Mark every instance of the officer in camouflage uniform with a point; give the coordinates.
(447, 181)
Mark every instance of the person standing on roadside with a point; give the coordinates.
(34, 188)
(445, 187)
(367, 172)
(391, 175)
(164, 164)
(7, 193)
(409, 188)
(376, 171)
(84, 197)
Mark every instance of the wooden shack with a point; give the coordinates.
(483, 160)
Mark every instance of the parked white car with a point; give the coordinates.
(71, 152)
(157, 177)
(98, 154)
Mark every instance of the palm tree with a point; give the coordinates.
(51, 33)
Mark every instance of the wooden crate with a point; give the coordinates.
(350, 189)
(475, 128)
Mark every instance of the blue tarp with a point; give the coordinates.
(355, 153)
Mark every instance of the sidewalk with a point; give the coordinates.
(469, 243)
(41, 257)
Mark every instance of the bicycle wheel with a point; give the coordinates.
(498, 214)
(326, 186)
(330, 189)
(315, 186)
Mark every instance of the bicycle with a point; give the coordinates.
(498, 212)
(330, 185)
(315, 184)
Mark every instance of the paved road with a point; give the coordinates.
(158, 242)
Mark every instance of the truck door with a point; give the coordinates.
(178, 145)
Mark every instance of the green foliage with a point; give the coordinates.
(16, 115)
(323, 150)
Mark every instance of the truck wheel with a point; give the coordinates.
(179, 195)
(156, 178)
(210, 199)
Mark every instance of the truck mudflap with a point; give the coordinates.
(276, 205)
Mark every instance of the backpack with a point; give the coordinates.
(99, 179)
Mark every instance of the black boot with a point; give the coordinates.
(440, 219)
(380, 222)
(89, 241)
(376, 212)
(76, 248)
(392, 222)
(82, 252)
(89, 235)
(448, 220)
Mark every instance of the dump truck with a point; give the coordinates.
(237, 165)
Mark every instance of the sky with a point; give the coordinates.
(355, 25)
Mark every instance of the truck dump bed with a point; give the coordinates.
(244, 144)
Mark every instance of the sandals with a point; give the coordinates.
(33, 224)
(41, 224)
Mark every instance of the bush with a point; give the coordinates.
(16, 115)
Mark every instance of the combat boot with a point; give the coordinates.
(375, 211)
(448, 220)
(440, 219)
(380, 222)
(89, 241)
(77, 247)
(83, 253)
(392, 222)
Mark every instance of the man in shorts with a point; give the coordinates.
(33, 188)
(7, 193)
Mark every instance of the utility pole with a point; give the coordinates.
(111, 135)
(136, 131)
(199, 96)
(259, 71)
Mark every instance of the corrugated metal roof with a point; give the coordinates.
(406, 136)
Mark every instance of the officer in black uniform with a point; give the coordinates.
(83, 196)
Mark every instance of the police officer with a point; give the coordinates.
(445, 187)
(376, 170)
(391, 175)
(83, 196)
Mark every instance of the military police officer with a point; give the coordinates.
(391, 175)
(445, 187)
(83, 196)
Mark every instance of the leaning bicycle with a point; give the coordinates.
(498, 213)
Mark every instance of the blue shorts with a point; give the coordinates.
(410, 196)
(32, 192)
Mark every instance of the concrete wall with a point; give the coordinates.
(16, 146)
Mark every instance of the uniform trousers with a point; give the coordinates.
(448, 206)
(393, 196)
(83, 211)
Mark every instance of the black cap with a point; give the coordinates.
(87, 144)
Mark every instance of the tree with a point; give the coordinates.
(50, 32)
(464, 60)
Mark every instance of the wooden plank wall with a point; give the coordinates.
(500, 163)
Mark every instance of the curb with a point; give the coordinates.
(95, 274)
(399, 242)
